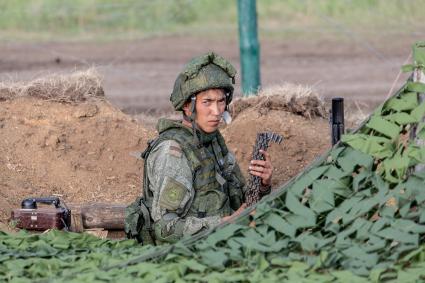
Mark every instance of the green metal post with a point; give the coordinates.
(249, 46)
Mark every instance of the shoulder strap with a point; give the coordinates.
(222, 144)
(184, 140)
(148, 196)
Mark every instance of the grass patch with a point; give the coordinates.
(127, 19)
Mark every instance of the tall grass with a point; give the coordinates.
(134, 18)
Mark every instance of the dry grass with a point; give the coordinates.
(355, 113)
(297, 99)
(289, 91)
(74, 87)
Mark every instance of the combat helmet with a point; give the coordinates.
(201, 73)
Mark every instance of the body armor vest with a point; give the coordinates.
(210, 172)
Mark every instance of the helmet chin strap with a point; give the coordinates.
(192, 118)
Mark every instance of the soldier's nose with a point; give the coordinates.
(215, 110)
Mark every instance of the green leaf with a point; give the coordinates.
(401, 118)
(407, 68)
(422, 217)
(407, 101)
(396, 167)
(310, 243)
(382, 275)
(212, 258)
(419, 54)
(335, 173)
(399, 236)
(411, 275)
(351, 158)
(384, 127)
(360, 179)
(299, 221)
(340, 211)
(223, 234)
(307, 179)
(280, 225)
(379, 147)
(414, 188)
(415, 154)
(356, 252)
(416, 86)
(347, 276)
(407, 225)
(322, 197)
(419, 112)
(295, 206)
(334, 154)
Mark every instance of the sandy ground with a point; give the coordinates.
(139, 75)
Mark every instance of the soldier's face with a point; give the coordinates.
(210, 106)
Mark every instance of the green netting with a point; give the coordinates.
(357, 212)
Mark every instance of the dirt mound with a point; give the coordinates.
(78, 150)
(293, 111)
(60, 139)
(296, 99)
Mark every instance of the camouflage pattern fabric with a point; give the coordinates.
(201, 73)
(170, 179)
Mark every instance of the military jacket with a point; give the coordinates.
(189, 186)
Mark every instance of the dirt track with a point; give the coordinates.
(138, 75)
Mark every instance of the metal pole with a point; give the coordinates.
(337, 119)
(249, 47)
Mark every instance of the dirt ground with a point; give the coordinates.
(139, 75)
(79, 149)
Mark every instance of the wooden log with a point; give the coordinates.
(100, 215)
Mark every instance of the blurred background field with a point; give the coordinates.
(349, 48)
(130, 19)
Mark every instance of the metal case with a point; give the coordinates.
(40, 219)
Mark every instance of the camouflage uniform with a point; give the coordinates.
(190, 190)
(191, 180)
(168, 157)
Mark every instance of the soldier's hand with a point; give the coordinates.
(234, 215)
(262, 168)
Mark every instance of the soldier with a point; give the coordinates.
(191, 180)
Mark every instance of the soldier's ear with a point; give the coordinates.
(186, 108)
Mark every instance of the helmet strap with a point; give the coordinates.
(192, 118)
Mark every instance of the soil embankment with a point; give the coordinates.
(60, 136)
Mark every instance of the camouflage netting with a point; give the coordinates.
(358, 212)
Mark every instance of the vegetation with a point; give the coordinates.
(111, 19)
(356, 213)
